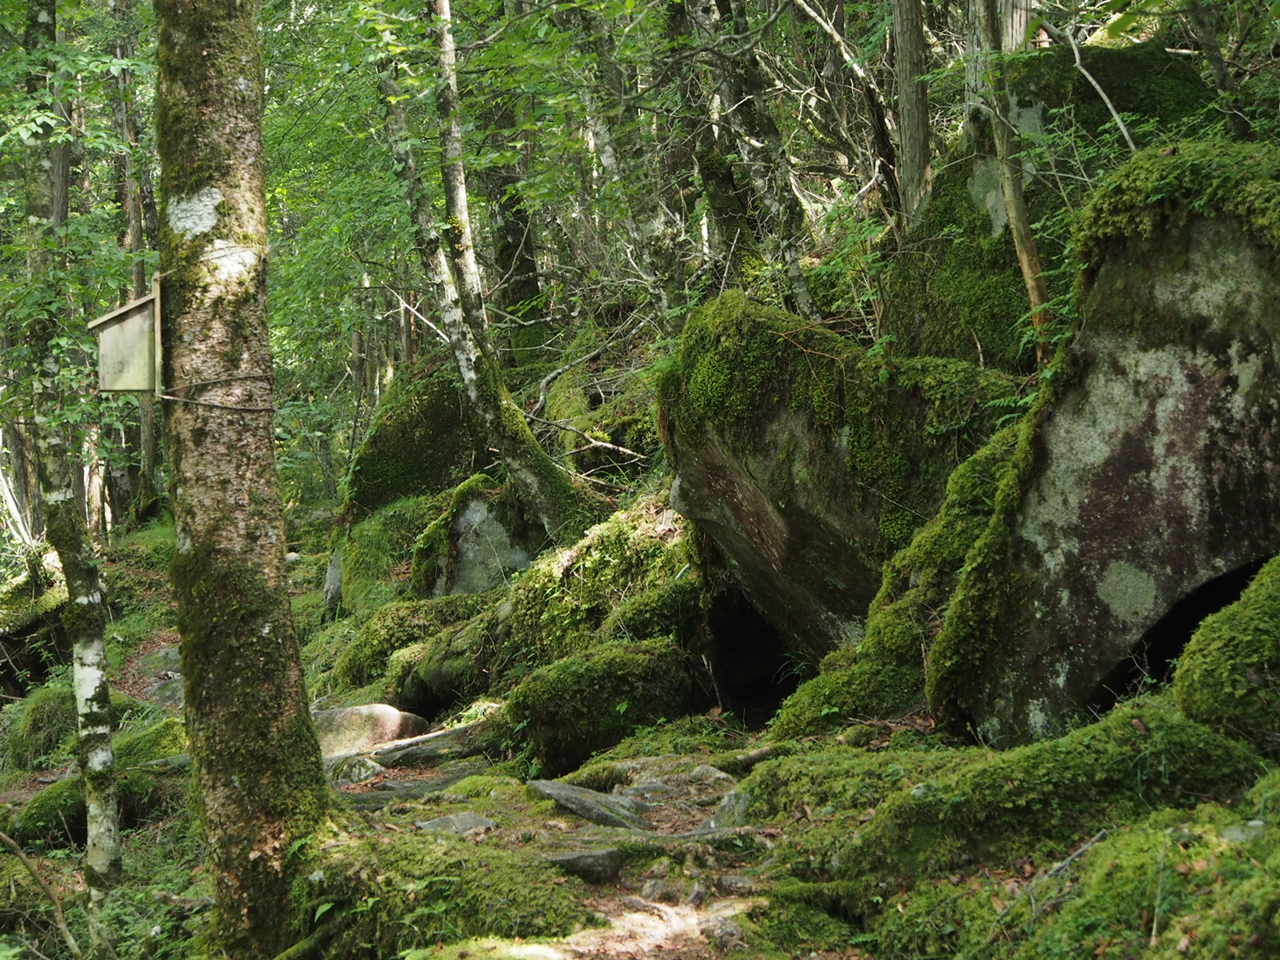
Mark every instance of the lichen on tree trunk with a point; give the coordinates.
(259, 777)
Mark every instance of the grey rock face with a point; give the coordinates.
(353, 729)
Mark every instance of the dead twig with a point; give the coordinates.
(59, 918)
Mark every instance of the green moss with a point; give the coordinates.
(569, 709)
(1159, 189)
(419, 441)
(561, 605)
(902, 426)
(1228, 676)
(45, 719)
(955, 290)
(147, 548)
(424, 889)
(883, 675)
(843, 778)
(982, 612)
(434, 551)
(56, 815)
(399, 625)
(1201, 885)
(23, 905)
(377, 551)
(1032, 802)
(19, 610)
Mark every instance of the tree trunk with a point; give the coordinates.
(562, 509)
(58, 468)
(258, 771)
(758, 144)
(1005, 136)
(124, 26)
(913, 105)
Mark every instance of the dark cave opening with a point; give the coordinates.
(1155, 655)
(749, 661)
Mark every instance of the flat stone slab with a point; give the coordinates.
(457, 823)
(606, 809)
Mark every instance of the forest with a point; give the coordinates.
(689, 479)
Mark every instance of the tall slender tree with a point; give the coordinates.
(58, 466)
(257, 763)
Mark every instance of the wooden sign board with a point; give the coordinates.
(129, 346)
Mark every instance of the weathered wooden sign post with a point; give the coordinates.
(129, 359)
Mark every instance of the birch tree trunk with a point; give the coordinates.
(562, 508)
(58, 467)
(258, 772)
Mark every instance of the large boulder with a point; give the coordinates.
(420, 439)
(809, 459)
(1151, 464)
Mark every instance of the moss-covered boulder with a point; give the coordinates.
(568, 710)
(396, 626)
(384, 894)
(883, 674)
(478, 540)
(376, 553)
(1150, 464)
(954, 288)
(631, 577)
(810, 460)
(1035, 802)
(31, 634)
(419, 441)
(1228, 677)
(147, 789)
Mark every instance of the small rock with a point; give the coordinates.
(731, 812)
(1244, 832)
(457, 823)
(593, 866)
(723, 933)
(609, 810)
(697, 895)
(661, 891)
(292, 557)
(347, 770)
(735, 885)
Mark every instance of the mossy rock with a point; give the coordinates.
(1032, 802)
(419, 440)
(833, 778)
(398, 625)
(479, 539)
(883, 675)
(568, 710)
(954, 288)
(424, 889)
(566, 603)
(1090, 544)
(1228, 677)
(41, 722)
(810, 460)
(56, 815)
(377, 552)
